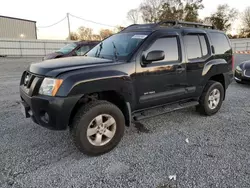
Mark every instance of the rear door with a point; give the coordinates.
(198, 53)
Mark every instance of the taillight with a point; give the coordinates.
(232, 62)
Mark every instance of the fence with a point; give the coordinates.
(241, 44)
(36, 48)
(19, 48)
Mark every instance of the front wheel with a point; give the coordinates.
(98, 127)
(211, 98)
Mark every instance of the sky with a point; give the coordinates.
(110, 12)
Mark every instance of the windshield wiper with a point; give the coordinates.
(115, 51)
(98, 51)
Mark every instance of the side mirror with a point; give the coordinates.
(155, 55)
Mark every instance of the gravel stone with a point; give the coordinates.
(217, 153)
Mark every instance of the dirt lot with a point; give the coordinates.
(198, 151)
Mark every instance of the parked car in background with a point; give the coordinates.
(73, 49)
(242, 72)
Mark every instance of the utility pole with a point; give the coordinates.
(68, 24)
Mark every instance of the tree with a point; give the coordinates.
(104, 33)
(85, 33)
(96, 37)
(150, 10)
(74, 36)
(186, 10)
(223, 17)
(161, 10)
(133, 16)
(246, 22)
(118, 29)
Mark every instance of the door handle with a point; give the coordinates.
(180, 69)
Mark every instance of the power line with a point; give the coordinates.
(92, 21)
(52, 24)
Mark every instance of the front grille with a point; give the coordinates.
(247, 73)
(28, 79)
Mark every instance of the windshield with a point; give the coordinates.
(68, 48)
(119, 46)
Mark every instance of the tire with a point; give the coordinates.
(87, 117)
(205, 107)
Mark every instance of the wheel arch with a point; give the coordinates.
(111, 96)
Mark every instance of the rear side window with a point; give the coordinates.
(196, 46)
(203, 45)
(220, 43)
(170, 47)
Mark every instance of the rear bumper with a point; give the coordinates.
(50, 112)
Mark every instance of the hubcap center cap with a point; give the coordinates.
(102, 129)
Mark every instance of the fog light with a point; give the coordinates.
(45, 117)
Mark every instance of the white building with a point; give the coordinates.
(16, 28)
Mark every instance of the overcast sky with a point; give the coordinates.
(110, 12)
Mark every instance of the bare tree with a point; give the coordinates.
(104, 33)
(85, 33)
(74, 36)
(133, 16)
(150, 10)
(246, 19)
(158, 10)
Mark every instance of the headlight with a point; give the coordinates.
(238, 68)
(50, 86)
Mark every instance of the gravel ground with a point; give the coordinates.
(192, 150)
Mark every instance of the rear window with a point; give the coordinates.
(220, 43)
(196, 46)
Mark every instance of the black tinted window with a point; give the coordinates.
(169, 46)
(196, 46)
(220, 43)
(119, 46)
(203, 45)
(193, 46)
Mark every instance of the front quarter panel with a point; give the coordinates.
(110, 78)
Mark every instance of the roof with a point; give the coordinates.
(168, 25)
(17, 19)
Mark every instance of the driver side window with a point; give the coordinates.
(170, 47)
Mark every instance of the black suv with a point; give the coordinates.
(167, 66)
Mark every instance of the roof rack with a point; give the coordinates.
(183, 23)
(171, 23)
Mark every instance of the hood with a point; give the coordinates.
(53, 55)
(246, 65)
(54, 67)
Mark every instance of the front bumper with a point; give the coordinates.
(241, 77)
(50, 112)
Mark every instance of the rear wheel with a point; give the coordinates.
(211, 98)
(97, 127)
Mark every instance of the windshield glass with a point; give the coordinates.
(119, 46)
(68, 48)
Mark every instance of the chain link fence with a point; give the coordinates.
(29, 48)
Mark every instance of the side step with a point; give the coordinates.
(162, 110)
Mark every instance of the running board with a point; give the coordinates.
(162, 110)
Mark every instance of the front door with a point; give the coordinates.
(162, 81)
